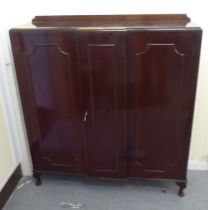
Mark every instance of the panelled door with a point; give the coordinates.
(46, 64)
(162, 78)
(103, 78)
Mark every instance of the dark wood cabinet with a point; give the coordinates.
(109, 96)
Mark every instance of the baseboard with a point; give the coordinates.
(10, 186)
(9, 174)
(197, 165)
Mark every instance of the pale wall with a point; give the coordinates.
(21, 11)
(8, 160)
(6, 157)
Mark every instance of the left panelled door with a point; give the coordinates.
(46, 68)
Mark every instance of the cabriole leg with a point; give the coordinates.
(182, 186)
(37, 177)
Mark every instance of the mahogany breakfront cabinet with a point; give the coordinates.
(109, 96)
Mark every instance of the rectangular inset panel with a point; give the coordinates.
(54, 102)
(103, 94)
(158, 102)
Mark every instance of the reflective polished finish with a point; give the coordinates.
(48, 71)
(109, 96)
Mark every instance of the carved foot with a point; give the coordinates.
(182, 186)
(37, 177)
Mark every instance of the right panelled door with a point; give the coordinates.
(161, 90)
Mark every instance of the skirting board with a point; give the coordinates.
(197, 165)
(3, 183)
(10, 185)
